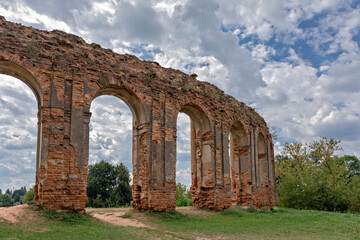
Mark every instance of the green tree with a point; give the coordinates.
(183, 196)
(29, 196)
(122, 194)
(311, 176)
(18, 194)
(353, 164)
(17, 198)
(5, 200)
(101, 180)
(353, 194)
(108, 185)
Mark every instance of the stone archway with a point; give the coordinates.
(139, 161)
(202, 155)
(240, 165)
(12, 69)
(66, 74)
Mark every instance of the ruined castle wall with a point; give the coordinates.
(67, 74)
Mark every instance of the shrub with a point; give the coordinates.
(311, 177)
(29, 196)
(6, 201)
(183, 196)
(108, 185)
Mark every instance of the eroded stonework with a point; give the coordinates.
(232, 158)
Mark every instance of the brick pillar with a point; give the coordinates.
(208, 194)
(141, 172)
(235, 169)
(38, 155)
(158, 186)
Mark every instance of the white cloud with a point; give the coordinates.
(18, 134)
(19, 11)
(296, 61)
(183, 136)
(184, 176)
(305, 106)
(110, 131)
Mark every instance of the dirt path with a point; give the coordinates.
(19, 214)
(116, 216)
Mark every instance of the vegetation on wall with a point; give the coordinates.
(311, 176)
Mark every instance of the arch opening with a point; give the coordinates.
(132, 101)
(240, 167)
(201, 148)
(14, 70)
(110, 148)
(184, 165)
(20, 129)
(125, 130)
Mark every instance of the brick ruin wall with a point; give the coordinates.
(232, 158)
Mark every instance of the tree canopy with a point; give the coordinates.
(108, 185)
(311, 176)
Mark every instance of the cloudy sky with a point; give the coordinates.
(297, 62)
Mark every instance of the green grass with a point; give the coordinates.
(279, 224)
(74, 226)
(282, 223)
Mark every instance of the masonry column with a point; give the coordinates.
(245, 173)
(271, 190)
(194, 169)
(162, 187)
(222, 174)
(141, 162)
(40, 169)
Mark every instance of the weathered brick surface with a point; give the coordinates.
(66, 75)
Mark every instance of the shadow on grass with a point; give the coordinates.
(169, 216)
(77, 218)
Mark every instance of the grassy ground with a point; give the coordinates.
(280, 224)
(73, 226)
(188, 223)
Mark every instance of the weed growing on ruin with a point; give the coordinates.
(86, 59)
(31, 47)
(152, 76)
(185, 88)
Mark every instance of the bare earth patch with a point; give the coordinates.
(19, 214)
(116, 216)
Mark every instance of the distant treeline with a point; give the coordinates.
(16, 197)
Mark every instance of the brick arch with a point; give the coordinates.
(70, 73)
(240, 163)
(130, 98)
(139, 141)
(240, 132)
(198, 117)
(238, 119)
(196, 103)
(202, 155)
(15, 70)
